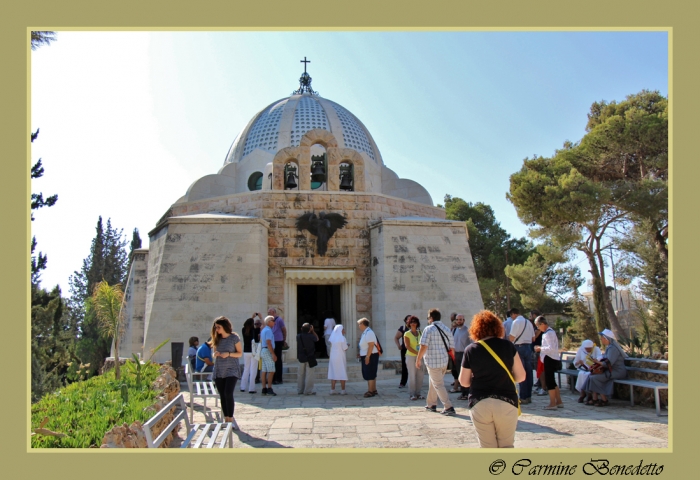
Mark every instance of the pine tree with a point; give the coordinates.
(53, 341)
(135, 245)
(107, 261)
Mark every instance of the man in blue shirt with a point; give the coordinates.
(268, 356)
(205, 360)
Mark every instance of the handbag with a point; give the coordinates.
(450, 353)
(498, 359)
(603, 367)
(256, 349)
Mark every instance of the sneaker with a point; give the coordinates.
(525, 401)
(449, 412)
(312, 393)
(333, 392)
(343, 392)
(271, 392)
(253, 391)
(402, 386)
(463, 397)
(542, 392)
(264, 391)
(431, 408)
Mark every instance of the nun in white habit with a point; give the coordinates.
(586, 356)
(337, 363)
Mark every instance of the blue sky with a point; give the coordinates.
(130, 119)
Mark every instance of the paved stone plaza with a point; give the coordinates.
(391, 420)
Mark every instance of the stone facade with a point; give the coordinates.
(225, 248)
(418, 264)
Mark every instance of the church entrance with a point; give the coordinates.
(314, 304)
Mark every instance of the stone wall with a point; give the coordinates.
(135, 303)
(201, 267)
(288, 247)
(417, 265)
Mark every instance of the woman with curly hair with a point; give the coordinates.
(227, 371)
(490, 368)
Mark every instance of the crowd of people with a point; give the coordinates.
(491, 362)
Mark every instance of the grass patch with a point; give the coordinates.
(86, 410)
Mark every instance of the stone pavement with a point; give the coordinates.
(391, 420)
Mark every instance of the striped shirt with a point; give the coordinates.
(227, 367)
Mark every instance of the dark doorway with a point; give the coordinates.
(313, 301)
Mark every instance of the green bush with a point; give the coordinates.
(84, 411)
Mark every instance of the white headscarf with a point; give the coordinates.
(587, 344)
(337, 335)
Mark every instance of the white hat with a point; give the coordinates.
(608, 333)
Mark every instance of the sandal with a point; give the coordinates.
(602, 403)
(413, 397)
(375, 393)
(421, 397)
(369, 394)
(591, 402)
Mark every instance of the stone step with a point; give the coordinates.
(386, 371)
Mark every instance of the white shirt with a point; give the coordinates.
(367, 337)
(550, 345)
(328, 326)
(519, 324)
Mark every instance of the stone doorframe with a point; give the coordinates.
(344, 277)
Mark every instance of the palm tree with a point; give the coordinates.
(107, 301)
(40, 39)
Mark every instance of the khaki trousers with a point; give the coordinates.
(436, 387)
(305, 379)
(495, 422)
(415, 376)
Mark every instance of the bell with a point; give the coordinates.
(318, 173)
(290, 183)
(345, 182)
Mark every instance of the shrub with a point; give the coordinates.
(84, 411)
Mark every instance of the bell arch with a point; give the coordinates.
(336, 156)
(298, 155)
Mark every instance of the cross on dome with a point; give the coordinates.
(304, 81)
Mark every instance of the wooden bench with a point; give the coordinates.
(197, 434)
(566, 357)
(656, 386)
(632, 382)
(200, 389)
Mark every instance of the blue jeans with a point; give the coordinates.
(525, 353)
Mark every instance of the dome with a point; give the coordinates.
(282, 124)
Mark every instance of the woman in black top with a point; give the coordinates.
(493, 399)
(250, 364)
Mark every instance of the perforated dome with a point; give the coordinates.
(282, 124)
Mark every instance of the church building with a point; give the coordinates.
(303, 216)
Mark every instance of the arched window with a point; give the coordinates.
(255, 181)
